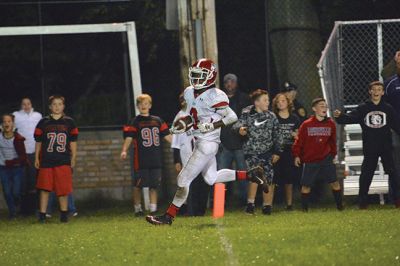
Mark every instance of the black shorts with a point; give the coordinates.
(264, 160)
(324, 170)
(147, 178)
(285, 171)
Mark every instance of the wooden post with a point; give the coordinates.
(188, 12)
(210, 32)
(186, 40)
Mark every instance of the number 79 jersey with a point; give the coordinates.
(203, 108)
(56, 137)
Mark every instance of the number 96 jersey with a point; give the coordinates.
(146, 133)
(203, 107)
(55, 136)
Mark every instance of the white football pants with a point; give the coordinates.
(201, 161)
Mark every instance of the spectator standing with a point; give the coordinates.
(12, 163)
(315, 147)
(285, 172)
(26, 120)
(392, 96)
(231, 147)
(145, 131)
(263, 146)
(56, 139)
(376, 118)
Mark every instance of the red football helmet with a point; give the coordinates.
(202, 74)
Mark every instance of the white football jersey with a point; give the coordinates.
(184, 142)
(202, 108)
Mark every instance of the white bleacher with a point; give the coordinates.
(353, 161)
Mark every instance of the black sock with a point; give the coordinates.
(337, 194)
(304, 200)
(64, 216)
(42, 216)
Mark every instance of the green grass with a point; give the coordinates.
(114, 237)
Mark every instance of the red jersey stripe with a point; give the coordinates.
(74, 132)
(163, 126)
(129, 129)
(38, 132)
(221, 104)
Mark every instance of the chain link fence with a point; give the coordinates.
(354, 56)
(295, 43)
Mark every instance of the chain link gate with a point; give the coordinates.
(354, 56)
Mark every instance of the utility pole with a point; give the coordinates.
(197, 33)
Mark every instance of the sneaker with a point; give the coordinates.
(289, 208)
(267, 210)
(139, 214)
(64, 217)
(74, 214)
(363, 206)
(250, 208)
(183, 210)
(397, 204)
(42, 218)
(340, 207)
(160, 220)
(48, 215)
(256, 175)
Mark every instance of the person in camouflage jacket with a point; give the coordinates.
(263, 144)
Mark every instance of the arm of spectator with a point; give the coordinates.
(350, 118)
(390, 68)
(277, 137)
(394, 120)
(298, 145)
(240, 126)
(38, 147)
(332, 141)
(125, 147)
(74, 148)
(168, 138)
(177, 159)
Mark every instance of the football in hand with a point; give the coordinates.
(183, 123)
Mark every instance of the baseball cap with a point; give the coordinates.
(230, 76)
(287, 86)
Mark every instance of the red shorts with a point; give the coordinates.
(57, 179)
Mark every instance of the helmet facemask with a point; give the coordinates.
(198, 77)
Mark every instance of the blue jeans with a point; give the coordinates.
(53, 201)
(11, 179)
(225, 159)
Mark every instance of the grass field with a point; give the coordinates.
(114, 237)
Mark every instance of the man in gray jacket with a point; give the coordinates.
(231, 147)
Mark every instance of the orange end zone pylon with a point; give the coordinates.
(219, 200)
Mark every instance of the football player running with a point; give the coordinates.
(209, 108)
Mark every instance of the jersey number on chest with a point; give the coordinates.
(193, 113)
(150, 137)
(57, 138)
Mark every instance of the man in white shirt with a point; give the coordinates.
(26, 120)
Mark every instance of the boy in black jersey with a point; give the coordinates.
(56, 138)
(145, 132)
(376, 118)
